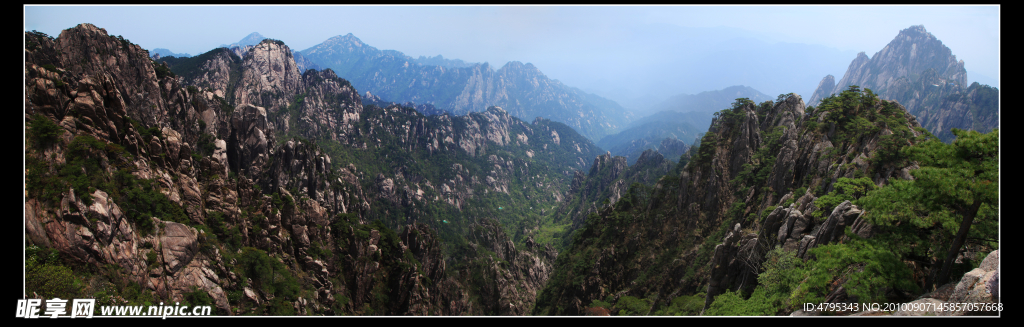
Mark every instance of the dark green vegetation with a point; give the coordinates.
(47, 276)
(271, 276)
(43, 132)
(521, 197)
(953, 201)
(86, 162)
(659, 254)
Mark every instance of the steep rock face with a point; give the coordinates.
(825, 88)
(218, 182)
(269, 76)
(217, 73)
(101, 233)
(607, 182)
(87, 50)
(921, 73)
(446, 296)
(304, 169)
(331, 107)
(249, 140)
(515, 276)
(912, 52)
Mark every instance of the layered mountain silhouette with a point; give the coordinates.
(677, 122)
(918, 71)
(459, 88)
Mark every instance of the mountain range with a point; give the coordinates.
(921, 73)
(242, 180)
(459, 88)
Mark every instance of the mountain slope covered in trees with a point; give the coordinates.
(782, 205)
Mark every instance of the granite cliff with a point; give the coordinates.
(188, 179)
(918, 71)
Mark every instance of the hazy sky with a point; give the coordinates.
(565, 42)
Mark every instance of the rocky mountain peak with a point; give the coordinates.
(87, 27)
(268, 68)
(252, 39)
(916, 31)
(918, 71)
(347, 39)
(911, 53)
(526, 69)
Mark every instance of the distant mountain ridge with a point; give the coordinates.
(459, 88)
(679, 121)
(253, 38)
(711, 100)
(921, 73)
(443, 62)
(161, 52)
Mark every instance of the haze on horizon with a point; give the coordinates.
(635, 55)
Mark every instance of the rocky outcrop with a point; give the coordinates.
(921, 73)
(844, 215)
(607, 182)
(269, 77)
(209, 162)
(249, 142)
(980, 286)
(330, 109)
(515, 275)
(976, 294)
(215, 73)
(799, 158)
(825, 88)
(100, 233)
(732, 263)
(88, 52)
